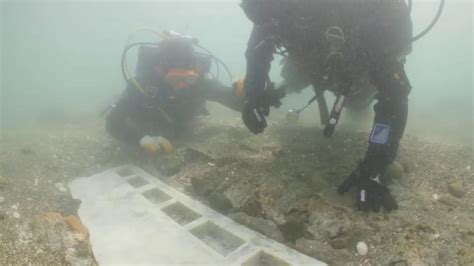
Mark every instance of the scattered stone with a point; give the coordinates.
(293, 229)
(69, 206)
(169, 165)
(339, 243)
(456, 189)
(65, 236)
(362, 248)
(77, 226)
(449, 200)
(266, 227)
(16, 215)
(468, 168)
(2, 200)
(394, 171)
(435, 196)
(252, 208)
(202, 185)
(219, 202)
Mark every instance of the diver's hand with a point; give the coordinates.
(155, 144)
(372, 194)
(257, 107)
(253, 115)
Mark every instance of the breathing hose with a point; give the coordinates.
(126, 71)
(432, 24)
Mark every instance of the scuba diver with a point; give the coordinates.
(353, 48)
(172, 83)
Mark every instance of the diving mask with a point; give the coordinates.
(181, 78)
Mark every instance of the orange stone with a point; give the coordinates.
(76, 225)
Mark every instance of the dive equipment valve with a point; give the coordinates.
(334, 116)
(293, 114)
(174, 34)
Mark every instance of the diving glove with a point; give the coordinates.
(372, 194)
(257, 107)
(254, 114)
(155, 144)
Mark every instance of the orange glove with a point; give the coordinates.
(155, 144)
(238, 87)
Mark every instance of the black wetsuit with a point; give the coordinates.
(377, 37)
(164, 111)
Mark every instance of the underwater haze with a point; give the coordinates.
(61, 59)
(81, 181)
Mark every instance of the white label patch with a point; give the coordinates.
(380, 133)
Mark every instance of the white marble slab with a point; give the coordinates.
(137, 219)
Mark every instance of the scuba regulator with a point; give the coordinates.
(335, 37)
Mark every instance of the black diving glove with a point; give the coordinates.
(256, 108)
(372, 194)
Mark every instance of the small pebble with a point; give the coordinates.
(2, 200)
(16, 215)
(435, 196)
(362, 248)
(456, 189)
(468, 168)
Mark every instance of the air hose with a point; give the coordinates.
(435, 20)
(126, 71)
(169, 34)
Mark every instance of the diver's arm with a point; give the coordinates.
(259, 55)
(116, 121)
(391, 111)
(214, 90)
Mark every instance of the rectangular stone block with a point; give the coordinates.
(217, 238)
(124, 172)
(156, 196)
(180, 213)
(263, 258)
(137, 181)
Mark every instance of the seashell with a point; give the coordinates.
(362, 248)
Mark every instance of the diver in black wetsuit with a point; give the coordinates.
(174, 82)
(332, 45)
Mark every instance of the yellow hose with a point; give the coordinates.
(132, 78)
